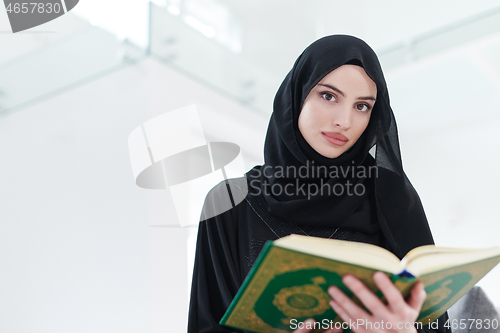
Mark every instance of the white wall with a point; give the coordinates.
(73, 231)
(76, 251)
(171, 259)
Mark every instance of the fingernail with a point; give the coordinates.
(334, 292)
(347, 279)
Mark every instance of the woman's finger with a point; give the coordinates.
(393, 296)
(340, 311)
(352, 322)
(365, 295)
(347, 306)
(418, 296)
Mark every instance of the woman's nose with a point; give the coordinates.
(342, 118)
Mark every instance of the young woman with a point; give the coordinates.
(319, 179)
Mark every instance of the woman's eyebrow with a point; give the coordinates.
(333, 88)
(369, 98)
(364, 98)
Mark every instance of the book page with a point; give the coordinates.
(429, 259)
(356, 253)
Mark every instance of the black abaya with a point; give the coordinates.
(228, 245)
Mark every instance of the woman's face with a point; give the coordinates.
(337, 110)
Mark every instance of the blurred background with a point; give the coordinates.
(83, 249)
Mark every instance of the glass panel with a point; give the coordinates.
(64, 54)
(244, 50)
(468, 30)
(207, 44)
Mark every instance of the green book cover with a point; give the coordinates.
(286, 286)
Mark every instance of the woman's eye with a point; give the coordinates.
(363, 107)
(328, 96)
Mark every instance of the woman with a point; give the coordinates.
(319, 179)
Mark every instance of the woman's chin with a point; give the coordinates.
(331, 154)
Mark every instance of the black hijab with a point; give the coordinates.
(399, 212)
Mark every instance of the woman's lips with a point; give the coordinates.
(335, 138)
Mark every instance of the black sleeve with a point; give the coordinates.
(216, 277)
(437, 326)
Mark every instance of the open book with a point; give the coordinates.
(288, 283)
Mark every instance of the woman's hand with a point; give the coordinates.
(397, 316)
